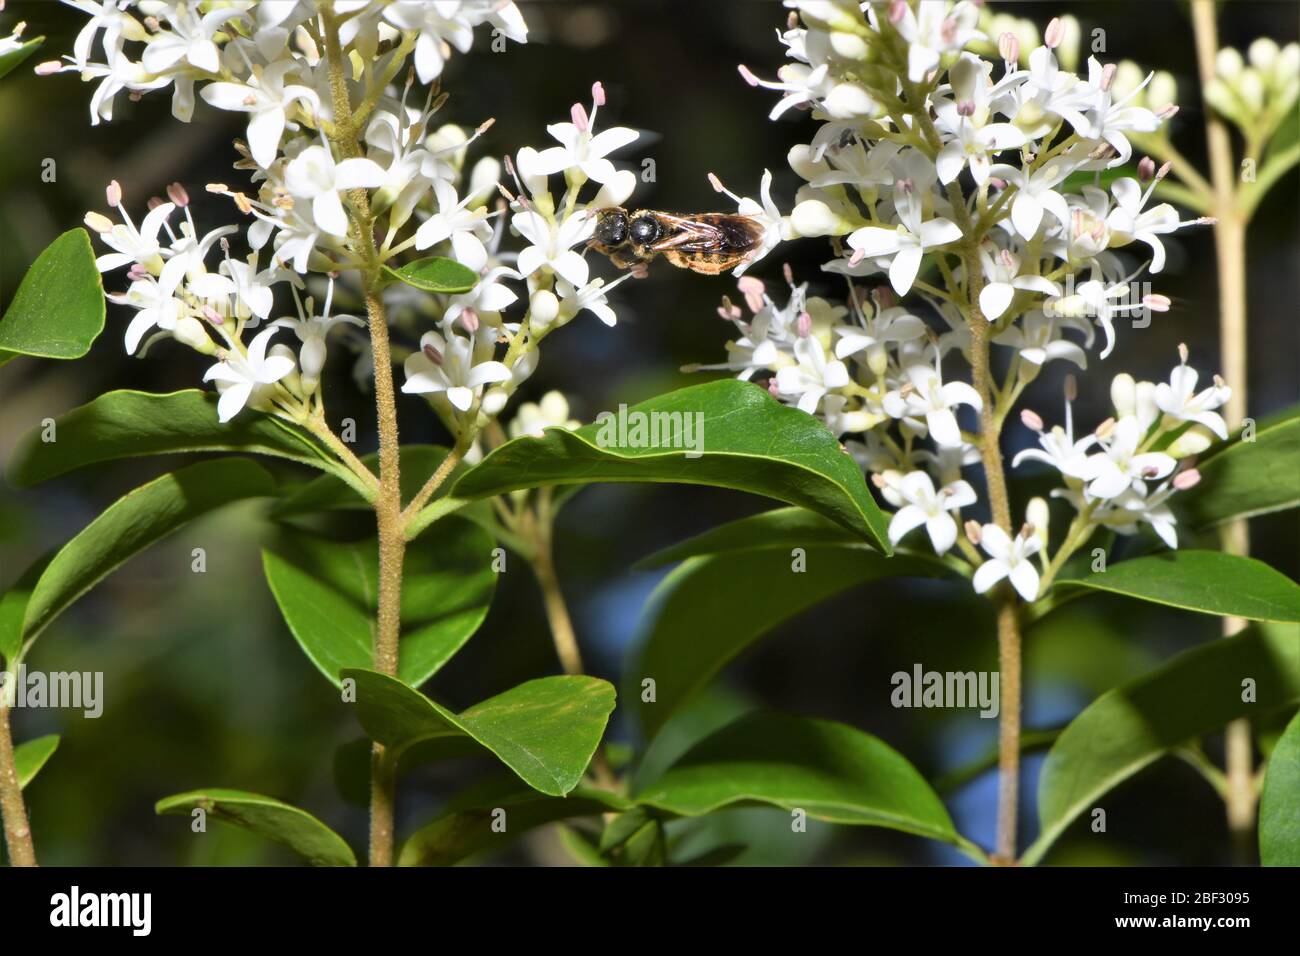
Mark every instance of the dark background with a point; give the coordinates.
(204, 685)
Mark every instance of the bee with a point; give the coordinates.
(708, 243)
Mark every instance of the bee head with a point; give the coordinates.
(611, 227)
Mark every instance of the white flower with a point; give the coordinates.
(466, 228)
(551, 244)
(131, 244)
(591, 297)
(490, 294)
(1003, 279)
(311, 332)
(156, 310)
(926, 507)
(1179, 399)
(933, 29)
(906, 242)
(266, 98)
(189, 39)
(926, 395)
(1039, 340)
(1112, 471)
(240, 378)
(1127, 221)
(1008, 558)
(813, 377)
(447, 365)
(1060, 450)
(314, 175)
(1035, 192)
(1135, 505)
(582, 149)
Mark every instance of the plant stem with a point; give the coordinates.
(388, 500)
(18, 834)
(557, 612)
(1230, 251)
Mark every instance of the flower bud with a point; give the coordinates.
(189, 331)
(849, 46)
(543, 307)
(848, 101)
(1251, 90)
(1162, 90)
(1263, 54)
(1228, 63)
(1191, 442)
(1123, 394)
(813, 217)
(1038, 516)
(801, 161)
(494, 400)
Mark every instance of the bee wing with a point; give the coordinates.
(712, 232)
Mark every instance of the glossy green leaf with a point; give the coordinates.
(15, 57)
(435, 274)
(13, 608)
(126, 424)
(1279, 804)
(58, 310)
(1207, 581)
(1243, 479)
(267, 817)
(708, 610)
(750, 442)
(1126, 729)
(327, 592)
(783, 528)
(32, 755)
(830, 770)
(545, 730)
(133, 523)
(466, 826)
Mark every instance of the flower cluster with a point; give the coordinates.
(338, 201)
(978, 192)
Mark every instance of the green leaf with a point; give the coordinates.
(1244, 479)
(327, 592)
(466, 826)
(1207, 581)
(31, 756)
(708, 610)
(782, 529)
(545, 730)
(832, 771)
(132, 523)
(58, 310)
(269, 818)
(435, 274)
(14, 58)
(125, 424)
(13, 608)
(1279, 804)
(1128, 728)
(750, 442)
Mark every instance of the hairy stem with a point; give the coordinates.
(1230, 251)
(557, 612)
(18, 834)
(388, 500)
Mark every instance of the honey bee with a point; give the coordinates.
(708, 243)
